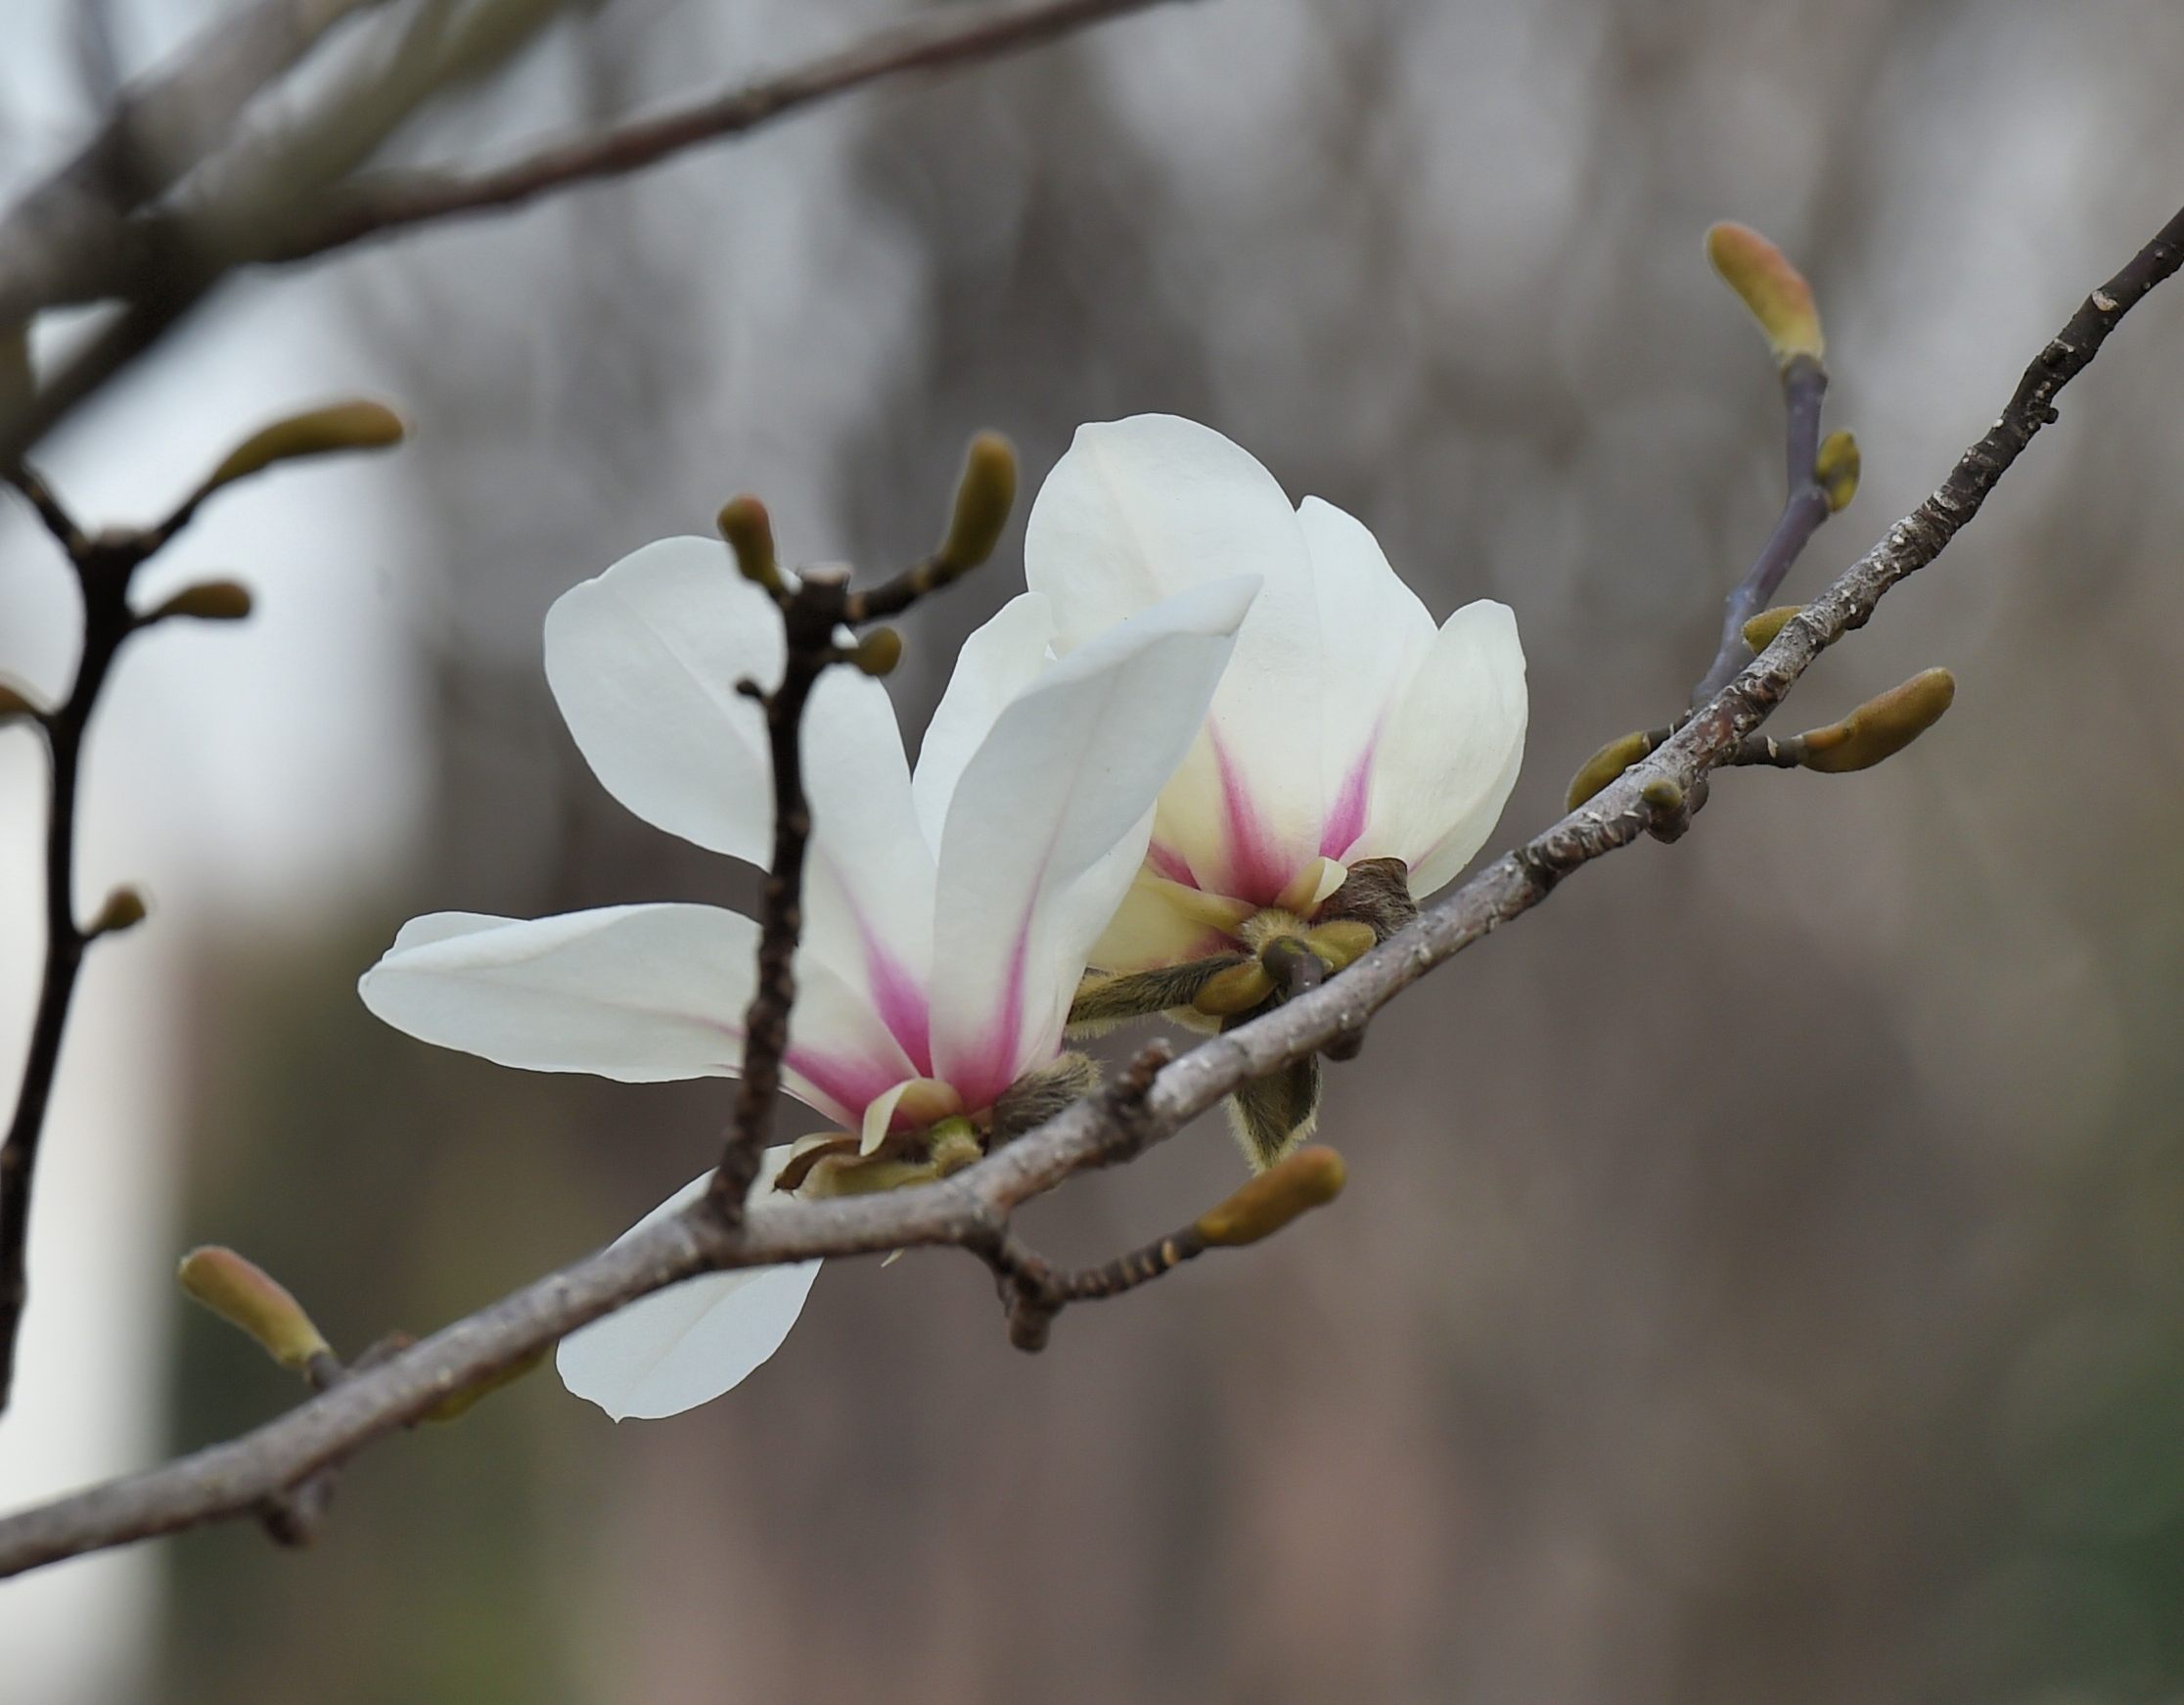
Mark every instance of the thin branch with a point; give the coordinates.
(103, 570)
(375, 205)
(972, 1208)
(1804, 384)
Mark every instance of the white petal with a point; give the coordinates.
(1373, 632)
(997, 662)
(686, 1345)
(1449, 754)
(1142, 508)
(644, 662)
(642, 993)
(1048, 824)
(1160, 922)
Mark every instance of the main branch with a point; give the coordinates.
(972, 1208)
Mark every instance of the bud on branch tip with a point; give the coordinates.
(878, 652)
(1774, 291)
(248, 1297)
(984, 496)
(748, 530)
(124, 909)
(208, 601)
(1882, 726)
(318, 432)
(1309, 1178)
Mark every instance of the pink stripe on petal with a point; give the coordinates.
(902, 1003)
(981, 1079)
(852, 1085)
(1169, 862)
(1346, 821)
(1256, 872)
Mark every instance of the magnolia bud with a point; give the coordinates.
(124, 909)
(1759, 633)
(984, 498)
(748, 530)
(878, 652)
(1662, 794)
(14, 702)
(1237, 990)
(1836, 470)
(1603, 765)
(1309, 1178)
(1882, 726)
(341, 426)
(1773, 290)
(207, 601)
(247, 1296)
(463, 1401)
(1340, 942)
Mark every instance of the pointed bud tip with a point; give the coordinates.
(1309, 1178)
(879, 651)
(124, 909)
(1603, 765)
(360, 425)
(250, 1299)
(1759, 633)
(1882, 726)
(1774, 292)
(1836, 470)
(985, 496)
(207, 601)
(748, 530)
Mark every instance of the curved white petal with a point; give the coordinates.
(1449, 754)
(642, 993)
(688, 1344)
(1143, 508)
(997, 662)
(644, 661)
(1048, 824)
(1373, 632)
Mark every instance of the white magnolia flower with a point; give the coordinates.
(1347, 728)
(947, 914)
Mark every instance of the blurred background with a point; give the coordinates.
(1762, 1275)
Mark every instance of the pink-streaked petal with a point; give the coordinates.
(684, 1346)
(641, 993)
(1049, 822)
(1449, 754)
(1140, 509)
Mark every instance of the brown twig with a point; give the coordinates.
(971, 1207)
(1804, 384)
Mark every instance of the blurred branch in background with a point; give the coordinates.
(973, 1208)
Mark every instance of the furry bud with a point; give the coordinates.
(1759, 633)
(1311, 1178)
(1774, 291)
(748, 530)
(1836, 470)
(318, 432)
(245, 1296)
(1882, 726)
(207, 601)
(1603, 765)
(124, 909)
(878, 652)
(984, 498)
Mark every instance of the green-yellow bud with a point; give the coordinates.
(1237, 990)
(984, 496)
(1340, 942)
(245, 1296)
(1310, 1177)
(124, 909)
(879, 651)
(1603, 765)
(1759, 633)
(318, 432)
(1836, 470)
(1772, 288)
(207, 601)
(1882, 726)
(748, 530)
(14, 702)
(1662, 794)
(463, 1402)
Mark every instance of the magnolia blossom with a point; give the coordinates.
(1347, 726)
(947, 913)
